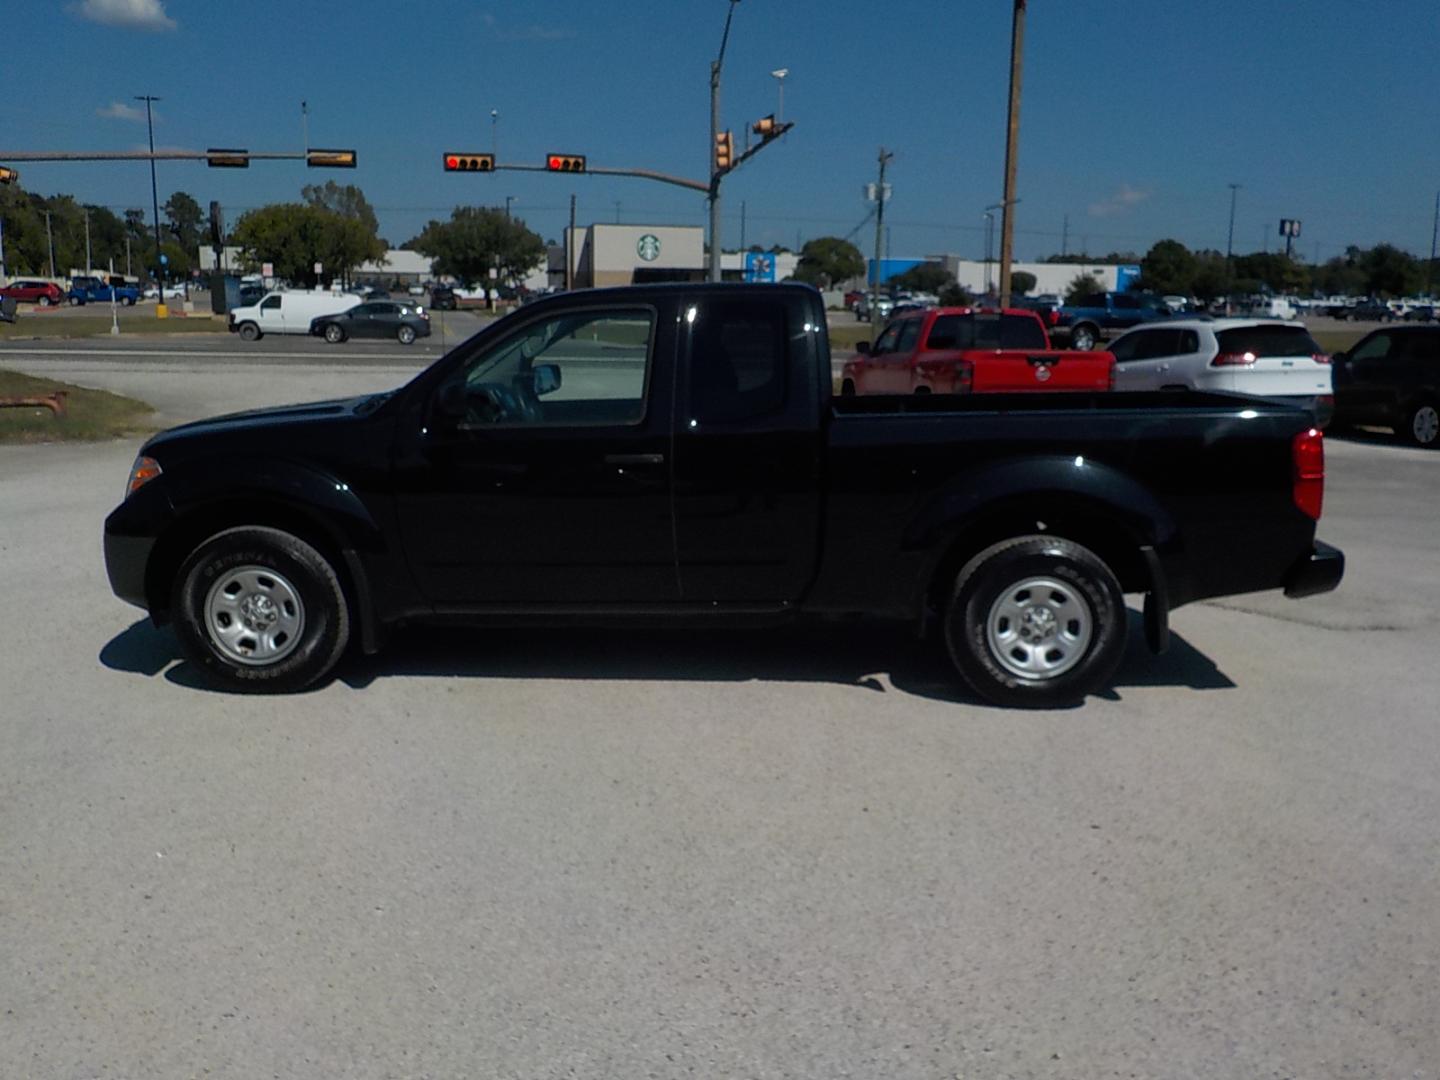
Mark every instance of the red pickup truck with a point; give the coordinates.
(959, 350)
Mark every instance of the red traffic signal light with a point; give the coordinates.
(469, 162)
(227, 159)
(724, 151)
(565, 163)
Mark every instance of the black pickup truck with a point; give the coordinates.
(673, 454)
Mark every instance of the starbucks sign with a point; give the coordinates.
(648, 247)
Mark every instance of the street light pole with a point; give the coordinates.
(1434, 233)
(779, 76)
(715, 65)
(1229, 249)
(154, 193)
(494, 134)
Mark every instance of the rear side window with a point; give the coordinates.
(738, 361)
(1423, 345)
(1189, 342)
(986, 332)
(1268, 341)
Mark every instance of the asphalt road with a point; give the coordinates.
(797, 854)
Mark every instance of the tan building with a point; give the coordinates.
(602, 255)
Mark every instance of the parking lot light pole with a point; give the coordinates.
(1229, 248)
(1434, 234)
(1012, 150)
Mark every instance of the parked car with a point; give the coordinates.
(374, 319)
(1391, 377)
(958, 350)
(1266, 357)
(1368, 310)
(883, 304)
(32, 291)
(672, 453)
(1421, 313)
(1103, 315)
(442, 298)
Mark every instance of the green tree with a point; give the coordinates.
(1081, 286)
(295, 236)
(1272, 271)
(347, 201)
(183, 216)
(1168, 267)
(1022, 281)
(1340, 276)
(1391, 272)
(827, 261)
(477, 238)
(926, 278)
(1211, 276)
(955, 295)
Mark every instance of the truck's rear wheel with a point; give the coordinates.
(1084, 337)
(260, 610)
(249, 332)
(1036, 622)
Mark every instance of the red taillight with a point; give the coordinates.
(1308, 453)
(964, 376)
(1320, 357)
(1231, 359)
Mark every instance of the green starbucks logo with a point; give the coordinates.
(648, 247)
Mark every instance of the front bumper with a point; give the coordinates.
(126, 558)
(1319, 571)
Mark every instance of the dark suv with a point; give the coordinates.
(1392, 377)
(442, 298)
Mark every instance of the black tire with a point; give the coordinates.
(76, 301)
(334, 333)
(976, 623)
(130, 301)
(405, 335)
(1084, 337)
(1422, 425)
(45, 301)
(847, 388)
(323, 631)
(249, 332)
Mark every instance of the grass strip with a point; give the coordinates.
(90, 415)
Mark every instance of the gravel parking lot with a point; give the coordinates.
(788, 854)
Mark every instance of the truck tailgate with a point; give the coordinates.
(1005, 371)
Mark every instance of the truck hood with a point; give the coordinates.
(262, 418)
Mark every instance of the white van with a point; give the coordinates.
(287, 312)
(1274, 307)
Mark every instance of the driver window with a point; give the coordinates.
(886, 341)
(1374, 347)
(584, 368)
(271, 303)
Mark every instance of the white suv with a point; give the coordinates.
(1266, 357)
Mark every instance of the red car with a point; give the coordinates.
(962, 350)
(30, 291)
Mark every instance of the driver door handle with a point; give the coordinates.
(634, 459)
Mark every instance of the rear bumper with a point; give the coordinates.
(1319, 571)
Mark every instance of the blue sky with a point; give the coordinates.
(1135, 116)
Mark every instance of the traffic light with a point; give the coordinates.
(565, 163)
(330, 159)
(217, 225)
(227, 159)
(9, 175)
(469, 162)
(724, 151)
(766, 127)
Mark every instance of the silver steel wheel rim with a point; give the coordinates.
(1039, 628)
(1426, 424)
(406, 335)
(332, 333)
(254, 616)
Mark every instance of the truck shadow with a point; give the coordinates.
(876, 657)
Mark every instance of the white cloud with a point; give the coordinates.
(118, 110)
(135, 14)
(1122, 200)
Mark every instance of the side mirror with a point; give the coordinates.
(1339, 358)
(547, 379)
(451, 401)
(863, 348)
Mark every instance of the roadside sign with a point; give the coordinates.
(267, 270)
(648, 247)
(759, 266)
(319, 268)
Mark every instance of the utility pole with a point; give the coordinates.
(127, 255)
(50, 243)
(1012, 150)
(879, 239)
(1434, 233)
(742, 227)
(989, 244)
(715, 65)
(1065, 237)
(1230, 236)
(154, 197)
(87, 241)
(508, 200)
(305, 124)
(617, 211)
(494, 134)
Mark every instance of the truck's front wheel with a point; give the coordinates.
(1036, 622)
(1084, 337)
(249, 332)
(259, 609)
